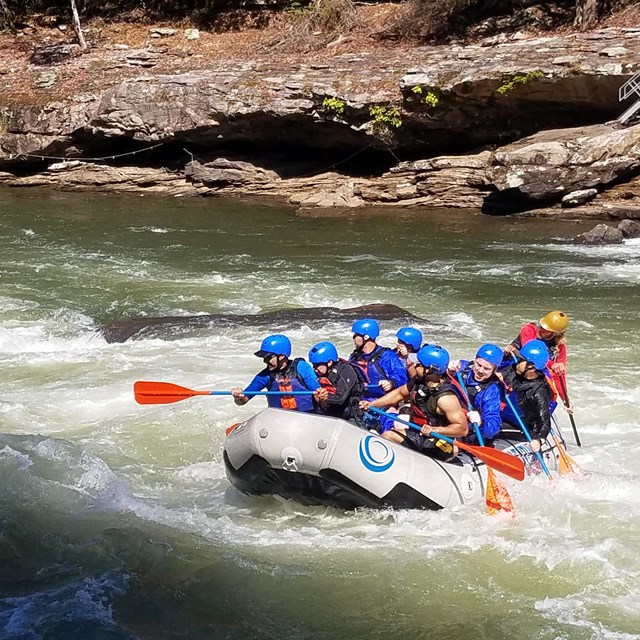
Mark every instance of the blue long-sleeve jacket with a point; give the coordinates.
(380, 364)
(485, 399)
(307, 381)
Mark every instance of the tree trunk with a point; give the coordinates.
(76, 25)
(5, 15)
(586, 14)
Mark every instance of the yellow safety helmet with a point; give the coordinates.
(555, 321)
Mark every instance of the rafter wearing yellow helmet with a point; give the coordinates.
(551, 330)
(555, 322)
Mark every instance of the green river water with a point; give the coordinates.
(117, 520)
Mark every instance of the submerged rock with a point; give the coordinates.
(169, 326)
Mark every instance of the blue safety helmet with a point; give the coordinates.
(491, 353)
(277, 344)
(322, 352)
(434, 357)
(410, 336)
(368, 328)
(537, 353)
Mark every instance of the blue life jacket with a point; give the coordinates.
(289, 380)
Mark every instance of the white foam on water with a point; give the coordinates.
(149, 229)
(630, 248)
(21, 461)
(9, 305)
(575, 611)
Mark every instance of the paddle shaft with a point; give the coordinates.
(524, 430)
(475, 425)
(527, 435)
(565, 399)
(262, 393)
(413, 425)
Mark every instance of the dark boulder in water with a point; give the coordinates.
(279, 320)
(601, 234)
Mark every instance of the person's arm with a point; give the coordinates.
(489, 408)
(394, 368)
(258, 383)
(527, 333)
(559, 376)
(450, 407)
(388, 399)
(308, 375)
(562, 354)
(559, 364)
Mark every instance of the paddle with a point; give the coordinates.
(167, 392)
(497, 498)
(527, 435)
(566, 464)
(565, 400)
(524, 429)
(500, 461)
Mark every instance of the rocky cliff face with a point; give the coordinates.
(505, 125)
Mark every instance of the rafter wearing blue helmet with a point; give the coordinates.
(483, 390)
(343, 383)
(411, 338)
(381, 367)
(409, 341)
(281, 374)
(530, 394)
(434, 405)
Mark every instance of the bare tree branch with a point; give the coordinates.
(76, 25)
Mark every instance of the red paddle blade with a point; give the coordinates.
(162, 392)
(498, 460)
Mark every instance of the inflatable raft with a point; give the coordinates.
(317, 460)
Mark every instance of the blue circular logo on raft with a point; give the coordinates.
(375, 454)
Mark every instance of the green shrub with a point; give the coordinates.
(519, 80)
(431, 99)
(334, 105)
(386, 117)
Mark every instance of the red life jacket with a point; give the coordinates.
(327, 384)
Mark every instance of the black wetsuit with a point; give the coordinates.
(532, 399)
(345, 388)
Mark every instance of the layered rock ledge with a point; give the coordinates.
(502, 125)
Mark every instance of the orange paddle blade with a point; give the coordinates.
(162, 392)
(497, 498)
(499, 460)
(566, 464)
